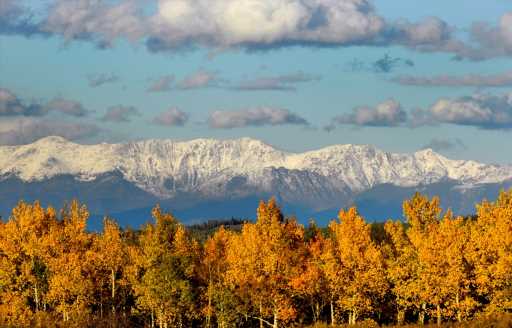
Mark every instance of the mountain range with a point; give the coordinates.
(206, 178)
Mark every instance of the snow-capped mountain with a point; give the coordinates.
(210, 169)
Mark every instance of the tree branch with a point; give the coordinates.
(263, 320)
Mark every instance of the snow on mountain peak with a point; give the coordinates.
(52, 140)
(164, 167)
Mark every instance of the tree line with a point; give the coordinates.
(274, 272)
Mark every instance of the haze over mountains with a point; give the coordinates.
(205, 178)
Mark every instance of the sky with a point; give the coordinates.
(298, 74)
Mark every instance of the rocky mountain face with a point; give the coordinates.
(201, 175)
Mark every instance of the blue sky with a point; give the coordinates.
(89, 75)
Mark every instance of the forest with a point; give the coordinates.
(430, 267)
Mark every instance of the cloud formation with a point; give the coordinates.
(171, 117)
(429, 35)
(17, 19)
(173, 25)
(162, 84)
(285, 82)
(25, 122)
(120, 114)
(11, 105)
(483, 111)
(99, 21)
(207, 79)
(66, 106)
(238, 24)
(10, 11)
(471, 80)
(198, 80)
(260, 116)
(27, 130)
(9, 8)
(95, 81)
(262, 23)
(489, 41)
(386, 114)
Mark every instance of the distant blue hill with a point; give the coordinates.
(111, 195)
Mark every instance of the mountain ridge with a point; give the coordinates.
(220, 170)
(55, 155)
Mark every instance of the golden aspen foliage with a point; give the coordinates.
(221, 301)
(23, 272)
(420, 211)
(423, 215)
(70, 263)
(312, 285)
(164, 271)
(440, 279)
(434, 267)
(491, 253)
(402, 270)
(444, 276)
(453, 240)
(262, 262)
(361, 279)
(110, 258)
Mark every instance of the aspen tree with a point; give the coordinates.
(453, 239)
(402, 270)
(164, 271)
(220, 298)
(111, 258)
(23, 271)
(491, 254)
(70, 264)
(423, 215)
(362, 280)
(312, 284)
(263, 260)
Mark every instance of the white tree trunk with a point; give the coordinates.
(113, 276)
(276, 320)
(333, 318)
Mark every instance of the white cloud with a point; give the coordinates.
(11, 105)
(386, 114)
(9, 8)
(162, 84)
(260, 116)
(120, 114)
(66, 106)
(483, 111)
(489, 41)
(101, 21)
(471, 80)
(101, 79)
(233, 23)
(247, 24)
(199, 79)
(252, 24)
(15, 18)
(171, 117)
(286, 82)
(25, 130)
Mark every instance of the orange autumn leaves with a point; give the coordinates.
(273, 272)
